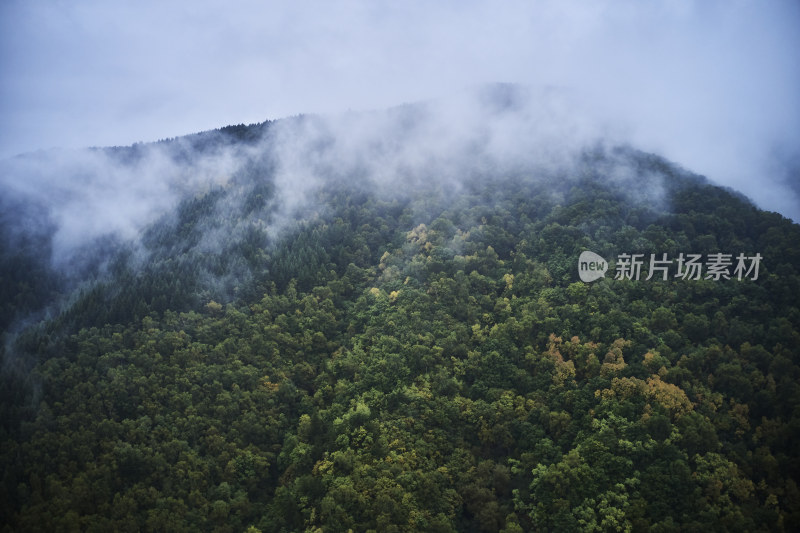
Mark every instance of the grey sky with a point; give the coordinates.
(713, 85)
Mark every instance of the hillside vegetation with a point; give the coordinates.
(420, 359)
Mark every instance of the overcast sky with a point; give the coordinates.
(711, 85)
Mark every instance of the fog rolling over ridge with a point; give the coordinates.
(710, 84)
(376, 321)
(211, 205)
(189, 206)
(87, 194)
(492, 130)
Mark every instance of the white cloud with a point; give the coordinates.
(713, 85)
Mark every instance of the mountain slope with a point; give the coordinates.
(405, 344)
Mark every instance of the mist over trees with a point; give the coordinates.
(375, 322)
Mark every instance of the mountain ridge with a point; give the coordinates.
(339, 328)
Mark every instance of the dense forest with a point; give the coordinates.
(407, 359)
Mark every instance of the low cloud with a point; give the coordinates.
(711, 84)
(487, 132)
(92, 193)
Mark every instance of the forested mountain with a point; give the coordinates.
(384, 332)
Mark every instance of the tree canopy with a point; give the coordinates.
(415, 361)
